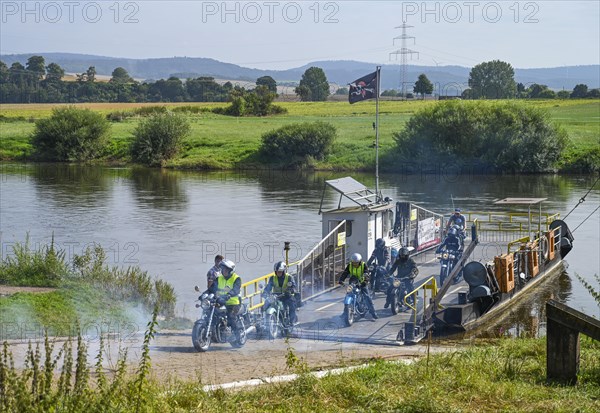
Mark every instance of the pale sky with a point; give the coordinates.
(286, 34)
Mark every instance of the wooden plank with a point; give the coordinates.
(573, 319)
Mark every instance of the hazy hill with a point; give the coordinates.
(448, 79)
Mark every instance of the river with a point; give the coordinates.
(172, 223)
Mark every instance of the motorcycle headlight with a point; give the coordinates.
(396, 283)
(445, 256)
(205, 304)
(349, 288)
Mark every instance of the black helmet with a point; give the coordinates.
(403, 253)
(379, 243)
(452, 231)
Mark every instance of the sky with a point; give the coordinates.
(288, 34)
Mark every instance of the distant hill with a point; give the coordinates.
(449, 79)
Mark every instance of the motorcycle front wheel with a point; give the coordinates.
(348, 314)
(240, 335)
(396, 302)
(272, 326)
(200, 337)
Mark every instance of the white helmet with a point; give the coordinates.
(227, 264)
(280, 266)
(356, 257)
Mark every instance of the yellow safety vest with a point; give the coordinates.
(225, 286)
(358, 272)
(277, 289)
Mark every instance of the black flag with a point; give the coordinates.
(363, 88)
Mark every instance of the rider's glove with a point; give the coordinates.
(221, 301)
(363, 284)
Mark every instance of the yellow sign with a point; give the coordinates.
(413, 214)
(341, 240)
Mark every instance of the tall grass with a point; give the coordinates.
(47, 266)
(505, 375)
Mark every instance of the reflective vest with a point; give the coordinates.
(358, 272)
(225, 286)
(277, 289)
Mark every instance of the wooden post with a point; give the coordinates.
(562, 340)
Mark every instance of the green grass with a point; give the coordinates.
(222, 142)
(505, 375)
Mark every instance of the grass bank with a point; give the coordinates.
(222, 142)
(503, 375)
(86, 291)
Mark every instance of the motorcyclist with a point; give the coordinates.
(458, 221)
(382, 257)
(282, 283)
(451, 242)
(407, 271)
(357, 270)
(227, 289)
(214, 271)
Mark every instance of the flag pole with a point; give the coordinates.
(377, 197)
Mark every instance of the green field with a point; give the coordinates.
(222, 142)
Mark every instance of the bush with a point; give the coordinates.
(158, 138)
(507, 137)
(296, 144)
(583, 161)
(71, 134)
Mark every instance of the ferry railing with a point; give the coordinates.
(504, 226)
(315, 274)
(428, 284)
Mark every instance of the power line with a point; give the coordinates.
(403, 52)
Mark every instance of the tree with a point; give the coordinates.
(579, 91)
(492, 80)
(16, 74)
(120, 75)
(267, 81)
(4, 73)
(535, 91)
(90, 74)
(54, 72)
(423, 86)
(313, 86)
(505, 136)
(563, 94)
(594, 94)
(158, 138)
(71, 134)
(547, 94)
(342, 91)
(295, 144)
(37, 66)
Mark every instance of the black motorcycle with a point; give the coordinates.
(380, 279)
(213, 327)
(448, 260)
(355, 305)
(400, 287)
(276, 316)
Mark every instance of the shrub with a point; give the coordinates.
(294, 144)
(507, 137)
(158, 138)
(71, 134)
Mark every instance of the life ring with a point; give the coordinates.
(545, 247)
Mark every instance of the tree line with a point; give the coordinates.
(37, 82)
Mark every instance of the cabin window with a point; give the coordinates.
(333, 224)
(388, 222)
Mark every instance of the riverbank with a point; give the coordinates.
(220, 142)
(499, 375)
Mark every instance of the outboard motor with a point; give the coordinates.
(566, 237)
(480, 288)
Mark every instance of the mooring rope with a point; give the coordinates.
(582, 199)
(598, 207)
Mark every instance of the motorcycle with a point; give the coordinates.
(447, 261)
(213, 327)
(380, 279)
(277, 320)
(396, 294)
(355, 305)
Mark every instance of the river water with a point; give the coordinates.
(172, 223)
